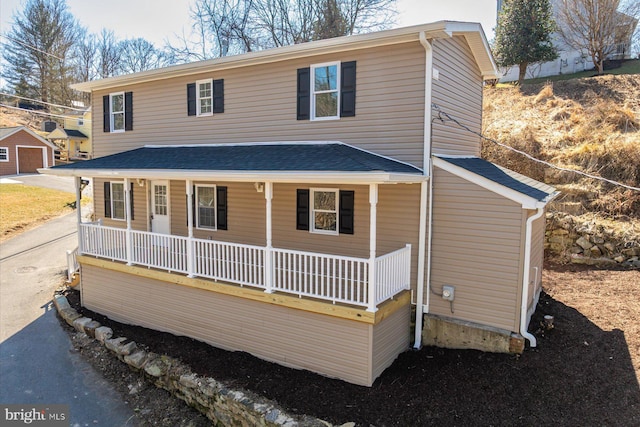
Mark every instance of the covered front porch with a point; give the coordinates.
(329, 277)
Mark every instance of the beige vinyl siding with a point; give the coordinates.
(140, 203)
(260, 105)
(537, 258)
(458, 92)
(328, 345)
(390, 338)
(246, 213)
(477, 245)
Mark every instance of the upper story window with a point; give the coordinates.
(326, 91)
(116, 107)
(117, 112)
(325, 96)
(4, 154)
(80, 122)
(205, 97)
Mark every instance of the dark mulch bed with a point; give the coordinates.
(579, 374)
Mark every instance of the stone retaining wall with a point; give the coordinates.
(223, 406)
(579, 241)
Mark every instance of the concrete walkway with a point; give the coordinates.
(38, 364)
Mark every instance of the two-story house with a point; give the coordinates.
(295, 203)
(74, 137)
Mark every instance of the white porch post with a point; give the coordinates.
(373, 214)
(127, 213)
(78, 182)
(268, 254)
(191, 261)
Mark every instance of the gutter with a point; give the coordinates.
(525, 278)
(425, 202)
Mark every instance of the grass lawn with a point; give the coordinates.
(628, 67)
(23, 206)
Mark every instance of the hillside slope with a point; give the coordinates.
(590, 125)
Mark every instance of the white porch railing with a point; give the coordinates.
(72, 263)
(306, 274)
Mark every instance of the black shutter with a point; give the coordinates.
(346, 212)
(191, 99)
(302, 209)
(194, 214)
(107, 199)
(221, 207)
(131, 200)
(218, 96)
(128, 111)
(348, 89)
(106, 123)
(304, 95)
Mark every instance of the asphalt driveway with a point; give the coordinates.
(38, 364)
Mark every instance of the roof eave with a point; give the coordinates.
(244, 176)
(527, 202)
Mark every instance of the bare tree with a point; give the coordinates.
(225, 27)
(108, 54)
(597, 26)
(139, 55)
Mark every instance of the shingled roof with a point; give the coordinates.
(322, 157)
(503, 177)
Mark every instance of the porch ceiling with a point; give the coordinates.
(281, 162)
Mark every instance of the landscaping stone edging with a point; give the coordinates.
(210, 397)
(570, 239)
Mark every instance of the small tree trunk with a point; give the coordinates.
(522, 72)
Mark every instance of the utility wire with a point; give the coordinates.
(31, 47)
(39, 112)
(43, 102)
(444, 117)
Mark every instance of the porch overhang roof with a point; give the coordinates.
(528, 192)
(320, 162)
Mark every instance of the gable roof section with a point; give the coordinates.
(528, 192)
(290, 162)
(61, 133)
(472, 32)
(7, 132)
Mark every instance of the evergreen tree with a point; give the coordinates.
(523, 34)
(38, 52)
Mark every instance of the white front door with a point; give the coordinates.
(160, 207)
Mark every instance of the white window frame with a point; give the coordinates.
(5, 155)
(314, 93)
(313, 210)
(215, 207)
(112, 113)
(124, 201)
(199, 112)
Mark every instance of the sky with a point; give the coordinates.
(159, 21)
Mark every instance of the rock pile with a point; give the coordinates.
(571, 239)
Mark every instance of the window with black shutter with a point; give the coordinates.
(205, 97)
(325, 210)
(326, 91)
(209, 206)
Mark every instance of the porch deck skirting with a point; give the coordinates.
(334, 278)
(338, 341)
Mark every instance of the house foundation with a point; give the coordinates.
(458, 334)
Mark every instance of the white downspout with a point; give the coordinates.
(425, 204)
(525, 278)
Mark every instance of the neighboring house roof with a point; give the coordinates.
(60, 133)
(472, 32)
(7, 132)
(250, 161)
(512, 185)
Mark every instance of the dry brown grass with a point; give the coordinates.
(591, 125)
(23, 206)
